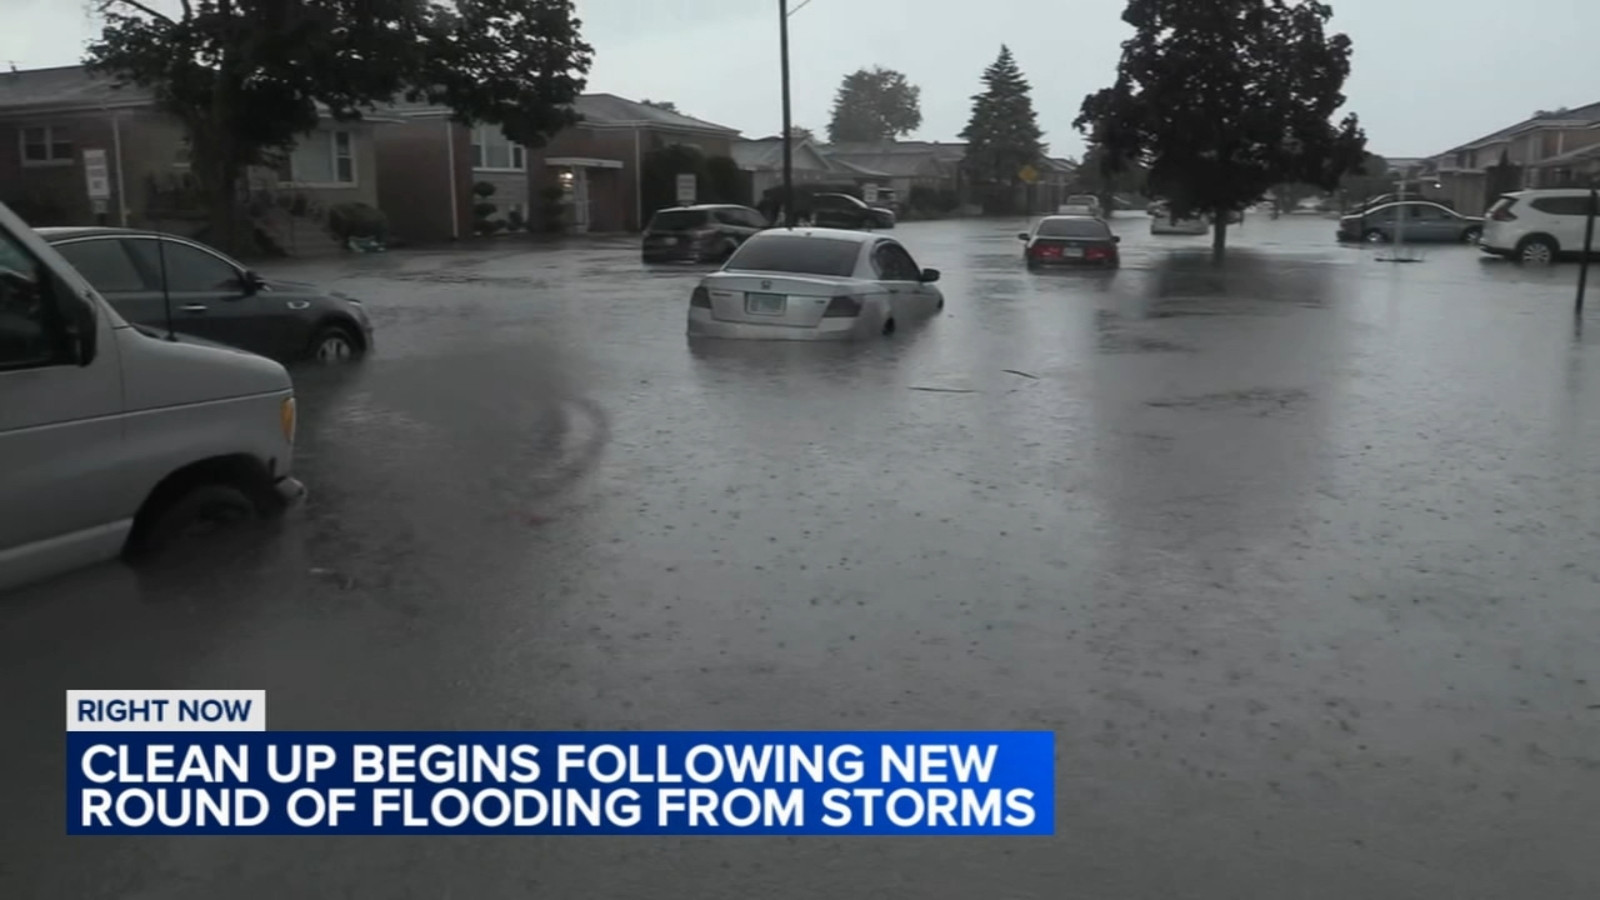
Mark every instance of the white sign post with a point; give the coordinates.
(686, 190)
(869, 193)
(98, 175)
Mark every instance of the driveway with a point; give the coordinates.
(1296, 559)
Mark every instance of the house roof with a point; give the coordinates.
(65, 88)
(1582, 117)
(609, 109)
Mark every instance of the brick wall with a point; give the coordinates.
(413, 165)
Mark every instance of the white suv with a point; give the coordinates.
(1537, 226)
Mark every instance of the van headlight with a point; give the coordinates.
(286, 418)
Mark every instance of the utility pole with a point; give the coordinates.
(788, 147)
(1588, 244)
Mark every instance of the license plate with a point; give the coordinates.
(669, 242)
(765, 304)
(1074, 252)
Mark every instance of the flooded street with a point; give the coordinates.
(1296, 558)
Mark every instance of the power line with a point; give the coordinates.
(803, 5)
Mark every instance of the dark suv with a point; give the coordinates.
(705, 233)
(845, 211)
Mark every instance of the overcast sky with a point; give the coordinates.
(1428, 74)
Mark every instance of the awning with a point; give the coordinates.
(583, 162)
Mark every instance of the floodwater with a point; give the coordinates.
(1297, 559)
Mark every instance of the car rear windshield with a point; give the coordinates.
(1503, 204)
(1082, 200)
(678, 220)
(800, 255)
(1079, 228)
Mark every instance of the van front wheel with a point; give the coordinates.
(201, 512)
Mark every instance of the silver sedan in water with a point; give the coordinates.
(809, 284)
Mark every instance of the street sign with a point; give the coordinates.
(869, 193)
(686, 190)
(98, 174)
(1028, 174)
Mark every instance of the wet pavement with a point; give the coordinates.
(1298, 560)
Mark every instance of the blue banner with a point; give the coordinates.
(658, 783)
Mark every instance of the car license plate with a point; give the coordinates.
(765, 304)
(670, 241)
(1073, 252)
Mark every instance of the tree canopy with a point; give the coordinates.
(248, 77)
(875, 104)
(1224, 99)
(1003, 135)
(664, 105)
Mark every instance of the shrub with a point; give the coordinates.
(357, 220)
(483, 211)
(552, 208)
(483, 189)
(514, 220)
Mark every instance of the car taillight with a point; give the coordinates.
(701, 298)
(842, 308)
(1503, 215)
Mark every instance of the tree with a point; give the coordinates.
(798, 133)
(875, 105)
(246, 78)
(1103, 176)
(1369, 178)
(1003, 134)
(1227, 98)
(664, 105)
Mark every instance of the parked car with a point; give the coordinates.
(1072, 241)
(115, 438)
(845, 211)
(1166, 223)
(1420, 221)
(814, 284)
(1386, 199)
(168, 282)
(709, 232)
(1080, 205)
(1537, 226)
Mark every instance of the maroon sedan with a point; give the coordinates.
(1071, 241)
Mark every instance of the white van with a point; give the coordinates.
(115, 438)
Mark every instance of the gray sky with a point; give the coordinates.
(1428, 74)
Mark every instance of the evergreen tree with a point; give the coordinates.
(1003, 134)
(1226, 98)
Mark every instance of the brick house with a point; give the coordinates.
(762, 162)
(429, 163)
(931, 165)
(1543, 150)
(49, 118)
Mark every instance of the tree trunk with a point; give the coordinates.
(1219, 237)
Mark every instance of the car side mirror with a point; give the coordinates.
(930, 275)
(1116, 239)
(251, 282)
(1022, 235)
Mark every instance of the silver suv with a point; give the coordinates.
(1537, 226)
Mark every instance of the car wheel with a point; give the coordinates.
(1375, 236)
(334, 344)
(1471, 235)
(1537, 251)
(202, 511)
(888, 327)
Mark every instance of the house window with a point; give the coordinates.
(323, 158)
(45, 146)
(492, 150)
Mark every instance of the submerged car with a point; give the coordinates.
(1079, 205)
(809, 284)
(709, 232)
(1070, 241)
(166, 282)
(848, 212)
(1164, 222)
(1411, 221)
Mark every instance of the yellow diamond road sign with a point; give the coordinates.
(1029, 174)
